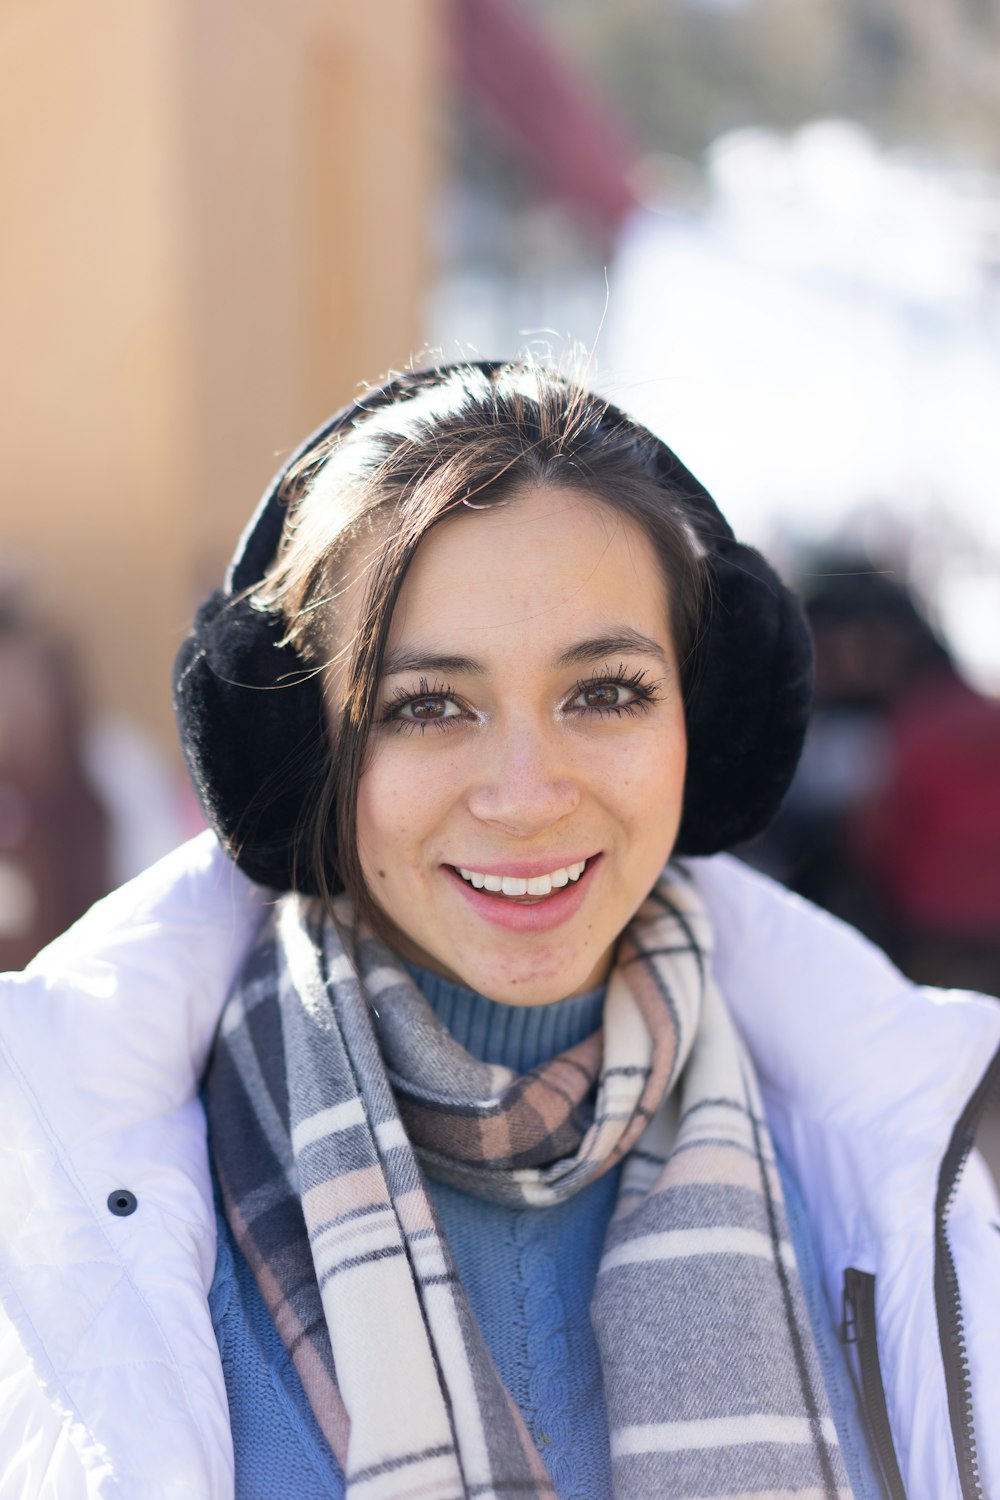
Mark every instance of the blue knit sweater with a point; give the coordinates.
(529, 1275)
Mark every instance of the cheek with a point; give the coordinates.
(648, 772)
(647, 791)
(400, 804)
(381, 818)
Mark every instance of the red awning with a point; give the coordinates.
(580, 151)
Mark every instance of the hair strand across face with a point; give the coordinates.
(362, 503)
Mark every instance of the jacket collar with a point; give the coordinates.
(865, 1078)
(849, 1056)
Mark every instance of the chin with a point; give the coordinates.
(510, 978)
(531, 987)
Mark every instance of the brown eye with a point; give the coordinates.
(434, 707)
(616, 694)
(602, 695)
(425, 709)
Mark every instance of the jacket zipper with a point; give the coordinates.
(946, 1293)
(858, 1328)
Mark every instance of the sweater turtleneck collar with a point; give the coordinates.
(519, 1037)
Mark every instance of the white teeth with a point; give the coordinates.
(517, 885)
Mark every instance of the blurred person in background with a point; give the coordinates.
(457, 1119)
(54, 830)
(86, 799)
(892, 820)
(926, 839)
(873, 650)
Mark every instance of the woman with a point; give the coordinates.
(535, 1164)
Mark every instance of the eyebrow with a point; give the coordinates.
(623, 642)
(429, 661)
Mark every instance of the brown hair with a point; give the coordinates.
(361, 503)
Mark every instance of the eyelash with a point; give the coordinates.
(646, 694)
(401, 698)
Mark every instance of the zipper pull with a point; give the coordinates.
(851, 1329)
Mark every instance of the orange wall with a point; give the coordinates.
(215, 224)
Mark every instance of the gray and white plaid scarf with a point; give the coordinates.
(332, 1088)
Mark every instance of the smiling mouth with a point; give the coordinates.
(526, 890)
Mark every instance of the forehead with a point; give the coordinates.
(550, 560)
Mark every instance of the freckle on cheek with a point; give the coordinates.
(381, 874)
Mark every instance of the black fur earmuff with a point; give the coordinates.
(251, 717)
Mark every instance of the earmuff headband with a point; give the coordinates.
(252, 754)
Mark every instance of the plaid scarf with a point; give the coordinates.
(333, 1087)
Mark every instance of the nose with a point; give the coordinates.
(525, 784)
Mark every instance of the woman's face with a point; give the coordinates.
(524, 781)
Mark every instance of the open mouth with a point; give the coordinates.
(527, 890)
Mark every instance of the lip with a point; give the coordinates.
(542, 916)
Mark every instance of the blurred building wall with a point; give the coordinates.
(214, 228)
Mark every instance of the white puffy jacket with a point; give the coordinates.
(110, 1379)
